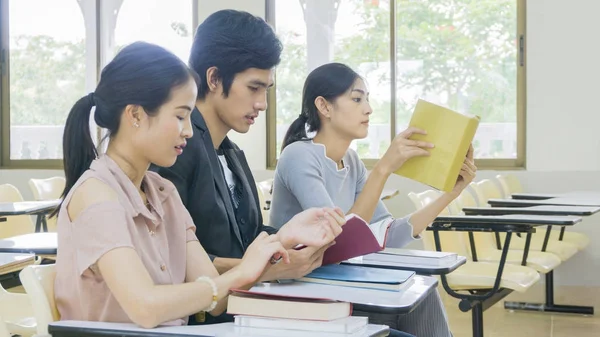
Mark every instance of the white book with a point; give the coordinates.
(345, 325)
(412, 256)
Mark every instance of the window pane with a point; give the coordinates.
(47, 62)
(461, 54)
(335, 31)
(166, 23)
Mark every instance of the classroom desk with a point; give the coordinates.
(39, 208)
(10, 267)
(369, 300)
(100, 329)
(549, 304)
(550, 202)
(34, 243)
(481, 299)
(442, 268)
(534, 210)
(544, 196)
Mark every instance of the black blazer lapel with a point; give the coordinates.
(241, 169)
(218, 178)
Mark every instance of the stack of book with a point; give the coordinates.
(304, 311)
(260, 313)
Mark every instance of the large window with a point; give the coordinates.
(51, 55)
(467, 55)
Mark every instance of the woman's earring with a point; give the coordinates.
(136, 125)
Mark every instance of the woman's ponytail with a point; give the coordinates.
(296, 131)
(78, 146)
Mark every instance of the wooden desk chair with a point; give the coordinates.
(510, 184)
(17, 224)
(47, 189)
(38, 281)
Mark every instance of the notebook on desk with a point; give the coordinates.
(360, 277)
(451, 133)
(412, 256)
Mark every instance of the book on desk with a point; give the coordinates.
(412, 256)
(360, 277)
(356, 239)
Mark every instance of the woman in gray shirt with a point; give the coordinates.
(324, 171)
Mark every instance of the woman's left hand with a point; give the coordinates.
(467, 173)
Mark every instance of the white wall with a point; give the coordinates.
(563, 141)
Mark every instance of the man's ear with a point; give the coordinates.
(213, 80)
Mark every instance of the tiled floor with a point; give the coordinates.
(499, 322)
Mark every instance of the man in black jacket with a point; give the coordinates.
(234, 54)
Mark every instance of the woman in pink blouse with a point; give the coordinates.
(127, 249)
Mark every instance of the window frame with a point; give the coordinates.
(56, 164)
(518, 163)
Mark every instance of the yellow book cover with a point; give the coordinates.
(451, 133)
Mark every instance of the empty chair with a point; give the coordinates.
(18, 224)
(487, 250)
(485, 190)
(38, 281)
(264, 206)
(47, 189)
(473, 275)
(3, 329)
(17, 313)
(510, 184)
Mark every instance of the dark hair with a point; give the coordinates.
(233, 41)
(329, 81)
(140, 74)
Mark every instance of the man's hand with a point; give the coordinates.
(302, 262)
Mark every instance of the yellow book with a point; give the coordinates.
(451, 133)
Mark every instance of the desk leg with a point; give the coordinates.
(562, 233)
(38, 223)
(546, 238)
(473, 249)
(498, 244)
(526, 250)
(44, 223)
(549, 306)
(478, 300)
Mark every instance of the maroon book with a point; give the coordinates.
(356, 239)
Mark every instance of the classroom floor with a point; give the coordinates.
(499, 322)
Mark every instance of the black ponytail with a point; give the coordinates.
(140, 74)
(296, 132)
(329, 81)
